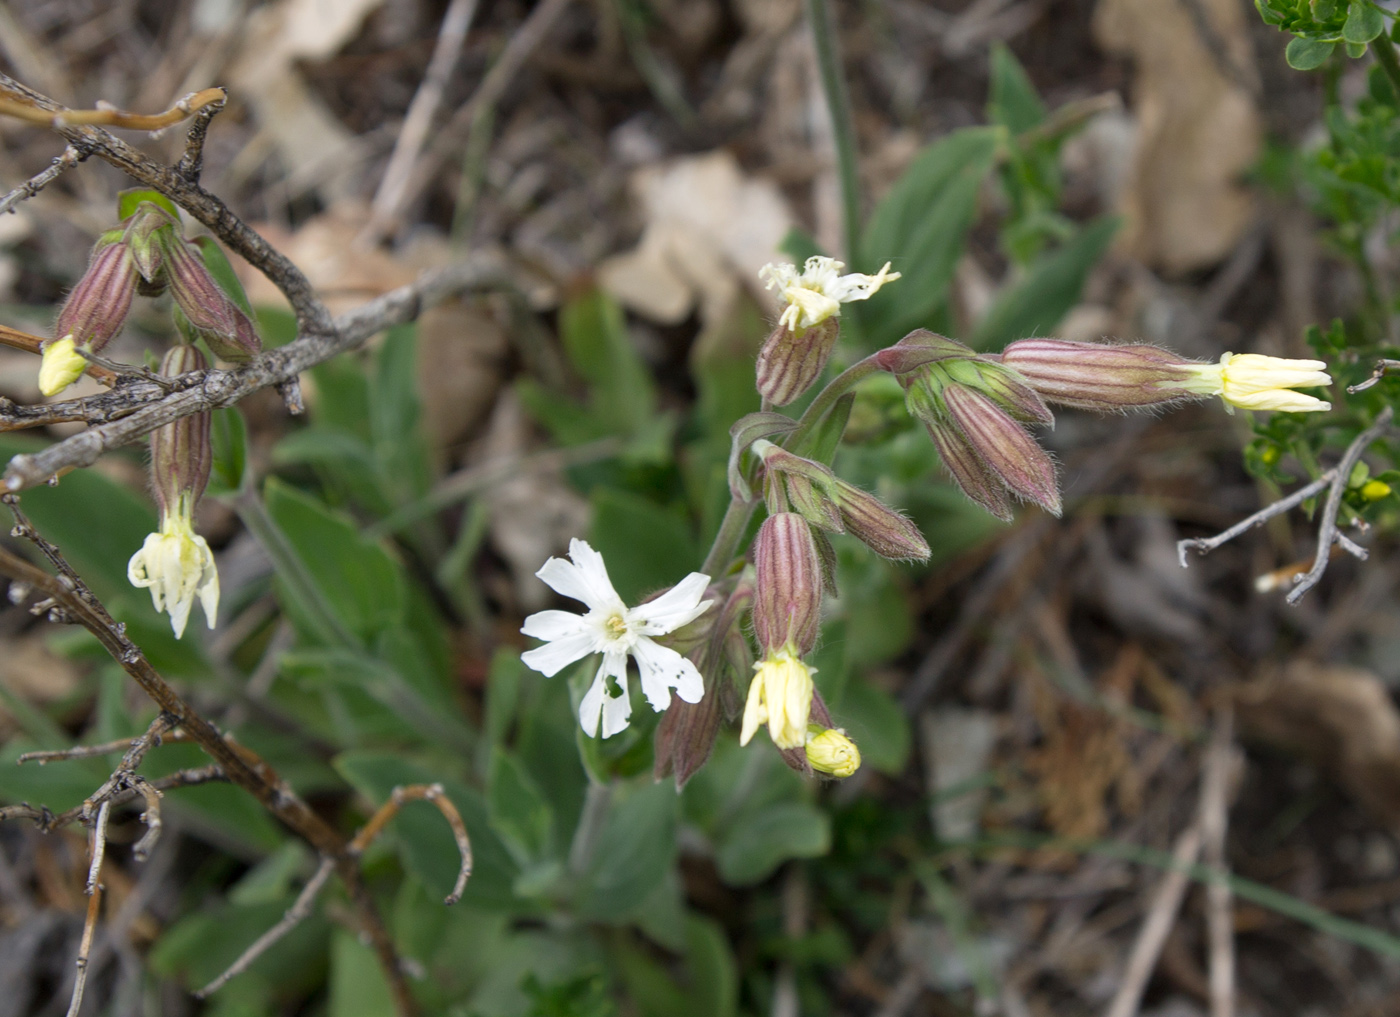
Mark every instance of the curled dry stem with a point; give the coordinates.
(435, 794)
(19, 103)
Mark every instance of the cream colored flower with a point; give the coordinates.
(1253, 381)
(616, 631)
(61, 366)
(781, 696)
(831, 751)
(177, 565)
(818, 291)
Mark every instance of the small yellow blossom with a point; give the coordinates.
(1253, 381)
(1374, 490)
(831, 751)
(61, 366)
(177, 565)
(818, 291)
(781, 696)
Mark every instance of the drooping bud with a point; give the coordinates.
(919, 349)
(97, 307)
(969, 471)
(1100, 377)
(780, 696)
(175, 563)
(206, 308)
(880, 527)
(148, 231)
(1004, 447)
(831, 751)
(788, 602)
(791, 361)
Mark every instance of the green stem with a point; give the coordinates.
(838, 102)
(736, 517)
(1384, 50)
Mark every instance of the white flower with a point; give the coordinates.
(1253, 381)
(177, 565)
(819, 290)
(613, 629)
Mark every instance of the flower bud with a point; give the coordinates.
(880, 527)
(780, 696)
(831, 751)
(788, 603)
(1096, 376)
(1004, 447)
(1375, 490)
(148, 231)
(919, 349)
(791, 360)
(207, 309)
(969, 471)
(94, 312)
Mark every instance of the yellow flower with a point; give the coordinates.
(1253, 381)
(830, 751)
(1375, 490)
(818, 291)
(61, 366)
(781, 696)
(177, 565)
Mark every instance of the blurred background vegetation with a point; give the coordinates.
(1035, 708)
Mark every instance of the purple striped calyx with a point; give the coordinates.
(788, 598)
(1102, 377)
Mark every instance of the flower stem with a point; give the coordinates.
(838, 103)
(1384, 50)
(736, 517)
(596, 803)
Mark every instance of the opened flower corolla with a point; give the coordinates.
(177, 565)
(616, 631)
(818, 291)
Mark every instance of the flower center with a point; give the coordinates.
(616, 626)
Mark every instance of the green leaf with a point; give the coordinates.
(634, 853)
(646, 546)
(360, 583)
(520, 814)
(821, 442)
(216, 261)
(1014, 102)
(358, 986)
(1364, 23)
(228, 437)
(921, 226)
(128, 200)
(595, 337)
(1308, 54)
(758, 845)
(394, 412)
(877, 722)
(1036, 303)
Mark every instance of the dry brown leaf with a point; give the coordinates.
(709, 230)
(1198, 128)
(1341, 718)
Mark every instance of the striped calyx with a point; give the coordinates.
(791, 360)
(1101, 377)
(98, 305)
(181, 454)
(788, 600)
(203, 309)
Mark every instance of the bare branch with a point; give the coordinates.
(1383, 367)
(223, 388)
(99, 846)
(298, 912)
(84, 950)
(18, 102)
(191, 164)
(1208, 544)
(101, 749)
(61, 164)
(425, 793)
(1327, 529)
(1215, 820)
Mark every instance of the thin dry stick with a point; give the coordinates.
(523, 42)
(142, 849)
(1327, 530)
(1215, 818)
(84, 950)
(180, 778)
(421, 111)
(425, 793)
(138, 417)
(99, 845)
(1160, 918)
(18, 102)
(102, 749)
(61, 164)
(299, 911)
(1383, 367)
(1208, 544)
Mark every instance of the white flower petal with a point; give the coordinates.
(565, 579)
(554, 656)
(678, 606)
(614, 710)
(590, 710)
(595, 574)
(663, 669)
(551, 625)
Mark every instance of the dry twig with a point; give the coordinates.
(1215, 819)
(61, 164)
(435, 794)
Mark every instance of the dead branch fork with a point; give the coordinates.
(134, 409)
